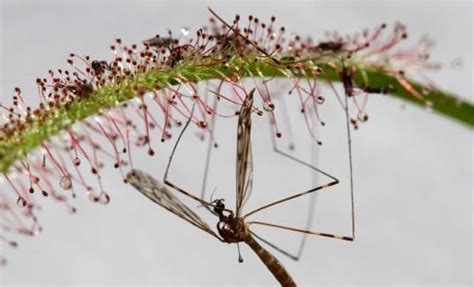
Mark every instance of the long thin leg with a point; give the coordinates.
(309, 222)
(158, 193)
(321, 187)
(318, 233)
(209, 150)
(208, 205)
(349, 146)
(346, 78)
(293, 158)
(333, 182)
(312, 200)
(276, 247)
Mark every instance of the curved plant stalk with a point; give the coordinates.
(32, 159)
(13, 147)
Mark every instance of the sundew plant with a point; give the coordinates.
(76, 135)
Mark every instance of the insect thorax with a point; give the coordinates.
(232, 229)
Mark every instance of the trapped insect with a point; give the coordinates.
(86, 116)
(232, 225)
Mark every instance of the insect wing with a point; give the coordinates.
(163, 196)
(244, 169)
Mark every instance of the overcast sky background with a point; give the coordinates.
(413, 169)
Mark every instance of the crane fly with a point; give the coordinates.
(232, 226)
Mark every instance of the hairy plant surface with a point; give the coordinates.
(47, 149)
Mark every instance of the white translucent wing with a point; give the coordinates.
(164, 196)
(244, 169)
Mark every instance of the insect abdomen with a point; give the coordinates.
(271, 262)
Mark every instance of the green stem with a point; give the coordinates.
(18, 144)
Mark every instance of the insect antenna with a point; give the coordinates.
(212, 194)
(211, 201)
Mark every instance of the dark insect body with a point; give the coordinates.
(330, 46)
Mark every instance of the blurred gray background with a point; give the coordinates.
(413, 169)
